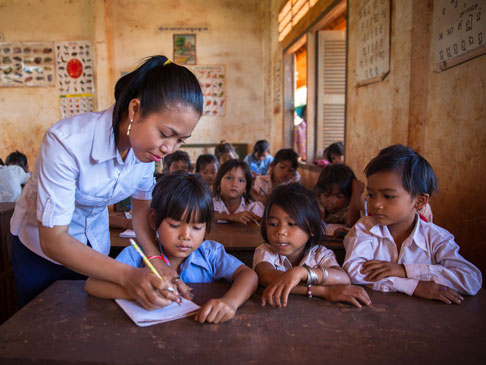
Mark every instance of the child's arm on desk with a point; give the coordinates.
(245, 282)
(245, 217)
(280, 284)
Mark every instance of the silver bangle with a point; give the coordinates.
(312, 278)
(325, 275)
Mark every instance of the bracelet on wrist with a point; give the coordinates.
(325, 275)
(158, 257)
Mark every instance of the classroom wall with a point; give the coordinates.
(123, 32)
(442, 115)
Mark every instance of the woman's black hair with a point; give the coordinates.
(334, 148)
(160, 85)
(261, 147)
(301, 205)
(223, 147)
(338, 174)
(205, 159)
(228, 166)
(417, 175)
(182, 196)
(287, 154)
(17, 158)
(176, 156)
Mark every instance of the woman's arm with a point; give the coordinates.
(142, 284)
(245, 282)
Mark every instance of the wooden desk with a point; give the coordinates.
(65, 325)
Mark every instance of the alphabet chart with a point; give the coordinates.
(459, 31)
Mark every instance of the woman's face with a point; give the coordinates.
(161, 133)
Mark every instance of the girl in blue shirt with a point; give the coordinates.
(90, 161)
(180, 214)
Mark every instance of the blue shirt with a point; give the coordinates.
(78, 173)
(207, 264)
(260, 167)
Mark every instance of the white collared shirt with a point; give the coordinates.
(428, 254)
(254, 207)
(78, 173)
(12, 178)
(317, 256)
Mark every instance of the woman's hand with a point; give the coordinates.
(216, 311)
(375, 270)
(277, 293)
(173, 277)
(347, 293)
(147, 289)
(431, 290)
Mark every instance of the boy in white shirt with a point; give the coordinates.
(394, 250)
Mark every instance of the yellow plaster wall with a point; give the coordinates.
(442, 115)
(27, 112)
(123, 32)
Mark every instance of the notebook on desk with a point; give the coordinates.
(128, 233)
(142, 317)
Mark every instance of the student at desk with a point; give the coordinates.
(395, 250)
(181, 213)
(88, 162)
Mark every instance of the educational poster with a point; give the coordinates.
(75, 77)
(27, 64)
(459, 31)
(373, 46)
(185, 49)
(213, 83)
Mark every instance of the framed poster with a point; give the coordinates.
(27, 64)
(459, 32)
(185, 49)
(75, 77)
(212, 79)
(373, 46)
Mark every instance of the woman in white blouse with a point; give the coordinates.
(88, 162)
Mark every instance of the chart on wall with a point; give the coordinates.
(213, 84)
(75, 77)
(27, 64)
(459, 31)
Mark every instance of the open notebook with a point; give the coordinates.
(128, 233)
(143, 317)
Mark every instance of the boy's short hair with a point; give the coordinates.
(261, 147)
(334, 148)
(338, 174)
(182, 195)
(286, 154)
(301, 205)
(205, 159)
(176, 156)
(230, 165)
(17, 158)
(417, 175)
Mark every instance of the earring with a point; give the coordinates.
(129, 127)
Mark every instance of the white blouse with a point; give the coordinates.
(254, 207)
(428, 254)
(78, 173)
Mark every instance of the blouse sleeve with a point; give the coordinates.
(146, 184)
(56, 183)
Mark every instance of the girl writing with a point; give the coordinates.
(292, 260)
(232, 194)
(180, 215)
(90, 161)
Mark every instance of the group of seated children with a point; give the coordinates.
(391, 249)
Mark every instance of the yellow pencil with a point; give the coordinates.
(149, 264)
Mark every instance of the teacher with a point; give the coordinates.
(87, 162)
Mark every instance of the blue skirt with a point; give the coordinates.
(34, 273)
